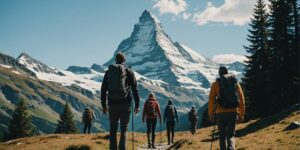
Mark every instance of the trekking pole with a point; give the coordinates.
(214, 128)
(132, 122)
(160, 134)
(212, 136)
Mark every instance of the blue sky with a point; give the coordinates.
(76, 32)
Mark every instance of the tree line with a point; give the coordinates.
(21, 123)
(271, 79)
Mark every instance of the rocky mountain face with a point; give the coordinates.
(171, 70)
(79, 70)
(36, 65)
(8, 61)
(149, 50)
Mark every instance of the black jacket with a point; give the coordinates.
(166, 114)
(132, 84)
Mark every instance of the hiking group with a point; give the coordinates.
(225, 108)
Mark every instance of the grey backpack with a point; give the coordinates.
(117, 87)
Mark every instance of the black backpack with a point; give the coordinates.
(117, 87)
(193, 115)
(171, 112)
(228, 92)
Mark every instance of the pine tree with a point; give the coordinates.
(256, 66)
(296, 46)
(66, 123)
(283, 72)
(20, 125)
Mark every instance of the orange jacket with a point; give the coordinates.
(215, 92)
(157, 110)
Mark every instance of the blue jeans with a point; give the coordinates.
(118, 112)
(226, 123)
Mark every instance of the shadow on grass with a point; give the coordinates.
(178, 144)
(106, 137)
(78, 147)
(210, 138)
(265, 122)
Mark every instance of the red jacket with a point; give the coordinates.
(157, 110)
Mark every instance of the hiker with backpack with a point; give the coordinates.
(193, 118)
(87, 117)
(226, 107)
(117, 83)
(170, 115)
(150, 112)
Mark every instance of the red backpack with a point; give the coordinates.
(150, 108)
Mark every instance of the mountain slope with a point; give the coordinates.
(45, 100)
(273, 132)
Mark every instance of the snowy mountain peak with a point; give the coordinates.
(23, 54)
(37, 66)
(148, 16)
(149, 50)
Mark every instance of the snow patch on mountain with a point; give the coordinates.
(66, 78)
(229, 58)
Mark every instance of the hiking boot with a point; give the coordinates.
(153, 146)
(149, 145)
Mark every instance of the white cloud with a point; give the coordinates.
(237, 12)
(186, 15)
(174, 7)
(228, 58)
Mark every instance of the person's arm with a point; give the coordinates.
(144, 112)
(104, 91)
(242, 103)
(134, 88)
(176, 114)
(212, 97)
(158, 111)
(93, 114)
(83, 114)
(165, 114)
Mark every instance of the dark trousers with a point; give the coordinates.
(87, 126)
(170, 130)
(193, 126)
(118, 112)
(226, 123)
(151, 124)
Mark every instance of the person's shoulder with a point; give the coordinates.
(215, 83)
(128, 69)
